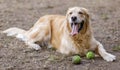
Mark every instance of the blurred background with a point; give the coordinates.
(105, 21)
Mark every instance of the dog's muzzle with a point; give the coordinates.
(76, 27)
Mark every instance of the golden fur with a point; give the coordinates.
(55, 31)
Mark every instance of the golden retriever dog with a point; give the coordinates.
(70, 34)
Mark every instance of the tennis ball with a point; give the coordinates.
(90, 55)
(76, 59)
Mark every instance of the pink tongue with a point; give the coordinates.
(74, 30)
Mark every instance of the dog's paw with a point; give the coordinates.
(109, 57)
(35, 46)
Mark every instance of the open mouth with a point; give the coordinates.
(76, 28)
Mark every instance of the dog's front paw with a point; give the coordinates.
(109, 57)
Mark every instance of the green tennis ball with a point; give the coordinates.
(90, 55)
(76, 59)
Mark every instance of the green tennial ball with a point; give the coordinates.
(90, 55)
(76, 59)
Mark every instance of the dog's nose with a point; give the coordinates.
(74, 18)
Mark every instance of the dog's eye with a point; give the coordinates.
(80, 12)
(70, 13)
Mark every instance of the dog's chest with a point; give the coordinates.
(76, 45)
(81, 43)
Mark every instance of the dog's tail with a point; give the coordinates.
(17, 32)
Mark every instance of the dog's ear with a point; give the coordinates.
(86, 12)
(86, 24)
(66, 16)
(67, 13)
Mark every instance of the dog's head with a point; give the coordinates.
(76, 17)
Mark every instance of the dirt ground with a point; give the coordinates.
(14, 54)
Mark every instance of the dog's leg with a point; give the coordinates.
(105, 55)
(39, 33)
(101, 51)
(33, 45)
